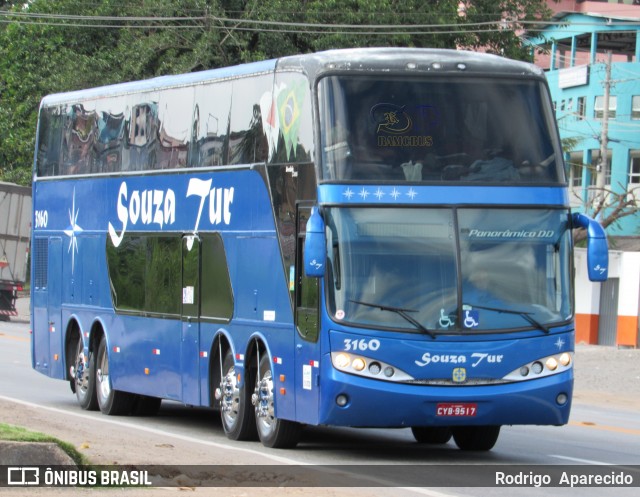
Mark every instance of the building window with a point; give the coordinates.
(599, 107)
(635, 107)
(576, 166)
(582, 108)
(634, 168)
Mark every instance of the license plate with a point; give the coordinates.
(457, 410)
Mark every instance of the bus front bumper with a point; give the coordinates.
(349, 400)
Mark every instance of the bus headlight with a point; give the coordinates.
(545, 366)
(341, 361)
(364, 366)
(358, 364)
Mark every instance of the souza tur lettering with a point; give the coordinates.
(478, 357)
(158, 207)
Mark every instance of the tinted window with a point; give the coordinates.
(175, 117)
(50, 141)
(210, 125)
(286, 114)
(432, 130)
(218, 123)
(217, 295)
(247, 142)
(145, 274)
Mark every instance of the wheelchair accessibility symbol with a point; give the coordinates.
(445, 321)
(471, 319)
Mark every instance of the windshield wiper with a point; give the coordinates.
(400, 312)
(523, 314)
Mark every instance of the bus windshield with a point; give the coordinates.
(437, 130)
(411, 269)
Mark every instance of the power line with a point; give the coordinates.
(98, 21)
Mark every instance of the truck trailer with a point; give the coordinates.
(15, 226)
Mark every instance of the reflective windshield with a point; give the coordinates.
(397, 269)
(437, 129)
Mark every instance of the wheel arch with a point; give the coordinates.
(96, 333)
(257, 346)
(222, 343)
(73, 333)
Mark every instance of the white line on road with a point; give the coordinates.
(584, 461)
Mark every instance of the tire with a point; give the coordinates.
(235, 404)
(273, 432)
(84, 379)
(476, 438)
(432, 434)
(111, 402)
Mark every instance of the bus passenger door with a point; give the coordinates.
(190, 340)
(307, 330)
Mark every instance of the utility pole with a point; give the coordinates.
(603, 166)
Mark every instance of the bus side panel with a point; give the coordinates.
(262, 307)
(145, 356)
(46, 340)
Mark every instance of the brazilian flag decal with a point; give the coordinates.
(290, 101)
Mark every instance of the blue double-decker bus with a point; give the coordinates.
(366, 238)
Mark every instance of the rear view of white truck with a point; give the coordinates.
(15, 224)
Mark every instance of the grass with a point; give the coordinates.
(17, 434)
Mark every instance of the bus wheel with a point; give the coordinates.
(84, 380)
(273, 432)
(235, 410)
(110, 401)
(477, 438)
(431, 434)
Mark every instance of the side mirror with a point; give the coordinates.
(597, 248)
(315, 246)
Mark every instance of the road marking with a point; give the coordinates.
(186, 438)
(617, 429)
(583, 461)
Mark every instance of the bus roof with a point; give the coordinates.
(384, 60)
(159, 82)
(408, 60)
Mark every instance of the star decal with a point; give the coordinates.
(395, 193)
(72, 231)
(411, 193)
(364, 193)
(348, 193)
(379, 194)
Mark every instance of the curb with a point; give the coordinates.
(33, 454)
